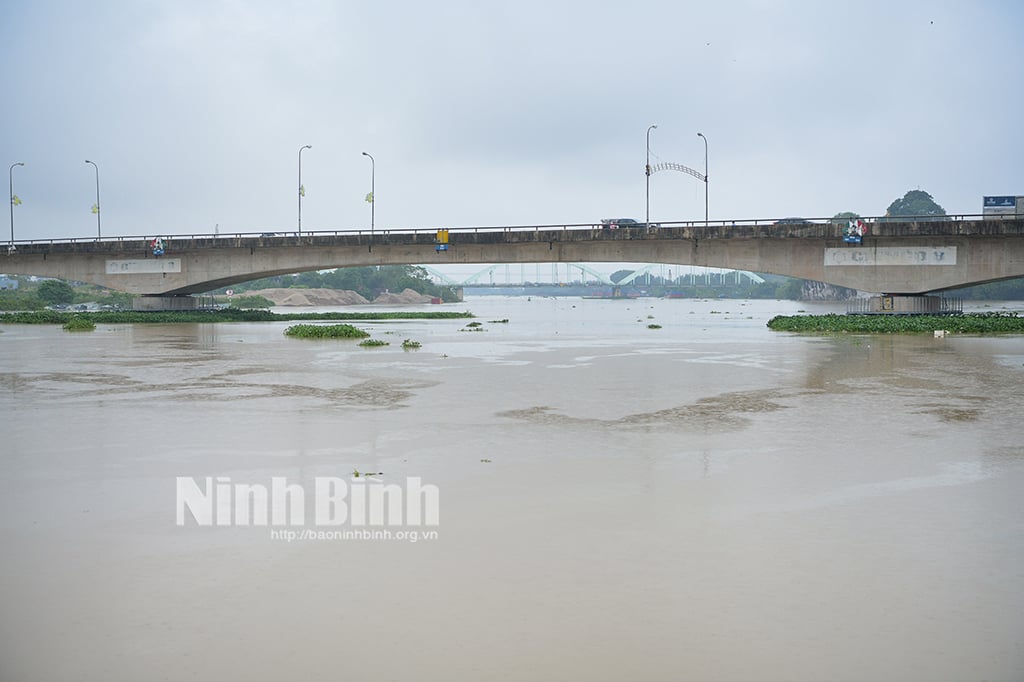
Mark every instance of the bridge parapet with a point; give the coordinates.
(820, 229)
(140, 248)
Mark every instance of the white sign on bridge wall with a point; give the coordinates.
(892, 255)
(143, 266)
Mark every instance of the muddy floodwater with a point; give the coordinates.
(707, 500)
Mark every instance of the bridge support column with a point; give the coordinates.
(904, 304)
(151, 303)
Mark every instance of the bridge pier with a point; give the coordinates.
(156, 302)
(905, 304)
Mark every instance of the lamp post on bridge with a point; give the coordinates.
(302, 190)
(372, 197)
(96, 208)
(701, 135)
(10, 174)
(647, 170)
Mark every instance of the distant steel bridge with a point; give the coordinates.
(571, 273)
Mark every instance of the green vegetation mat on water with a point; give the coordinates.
(226, 315)
(79, 324)
(325, 331)
(971, 323)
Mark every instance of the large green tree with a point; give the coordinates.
(366, 281)
(916, 202)
(54, 292)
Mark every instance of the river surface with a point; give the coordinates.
(708, 500)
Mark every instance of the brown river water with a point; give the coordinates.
(705, 501)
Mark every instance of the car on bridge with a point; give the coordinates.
(616, 223)
(794, 221)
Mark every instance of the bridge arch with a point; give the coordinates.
(738, 274)
(440, 276)
(668, 165)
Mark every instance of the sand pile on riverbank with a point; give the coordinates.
(310, 297)
(407, 297)
(328, 297)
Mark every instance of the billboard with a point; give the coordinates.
(854, 232)
(1001, 205)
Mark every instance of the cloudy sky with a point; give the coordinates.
(500, 113)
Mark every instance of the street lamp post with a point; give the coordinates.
(97, 169)
(648, 171)
(701, 135)
(10, 174)
(373, 196)
(301, 190)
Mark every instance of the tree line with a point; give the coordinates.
(368, 282)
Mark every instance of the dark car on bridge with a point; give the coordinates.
(794, 221)
(616, 223)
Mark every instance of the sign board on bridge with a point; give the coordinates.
(1007, 205)
(892, 255)
(143, 266)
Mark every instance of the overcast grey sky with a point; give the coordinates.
(505, 113)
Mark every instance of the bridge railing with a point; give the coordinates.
(427, 231)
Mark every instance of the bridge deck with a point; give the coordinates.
(534, 234)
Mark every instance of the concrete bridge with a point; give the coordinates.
(906, 256)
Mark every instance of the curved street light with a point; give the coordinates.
(373, 196)
(97, 168)
(701, 135)
(647, 222)
(301, 190)
(10, 174)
